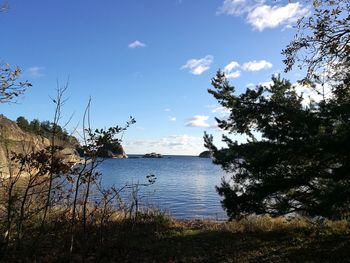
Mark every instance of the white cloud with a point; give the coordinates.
(136, 44)
(35, 72)
(257, 65)
(228, 70)
(172, 118)
(198, 66)
(308, 94)
(266, 16)
(167, 109)
(231, 66)
(312, 94)
(198, 121)
(260, 15)
(231, 70)
(233, 75)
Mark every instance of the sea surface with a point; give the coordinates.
(184, 185)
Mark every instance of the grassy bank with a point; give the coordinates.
(158, 238)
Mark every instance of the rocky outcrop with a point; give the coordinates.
(14, 139)
(205, 154)
(112, 150)
(152, 155)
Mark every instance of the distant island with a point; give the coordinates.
(205, 154)
(152, 155)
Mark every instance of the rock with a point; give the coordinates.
(14, 139)
(152, 155)
(70, 155)
(112, 150)
(205, 154)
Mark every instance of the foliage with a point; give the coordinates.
(302, 162)
(322, 44)
(23, 123)
(105, 144)
(43, 128)
(42, 188)
(10, 88)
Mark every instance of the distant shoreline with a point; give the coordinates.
(164, 155)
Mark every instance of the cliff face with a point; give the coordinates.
(14, 139)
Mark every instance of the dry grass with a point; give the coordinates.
(155, 237)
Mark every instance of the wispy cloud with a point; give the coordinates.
(235, 7)
(256, 65)
(136, 44)
(35, 72)
(172, 118)
(198, 121)
(167, 109)
(198, 66)
(260, 15)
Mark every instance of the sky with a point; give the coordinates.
(149, 59)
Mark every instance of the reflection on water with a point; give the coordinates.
(185, 186)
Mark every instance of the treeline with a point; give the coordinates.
(43, 128)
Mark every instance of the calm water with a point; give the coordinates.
(185, 186)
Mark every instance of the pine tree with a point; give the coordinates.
(302, 161)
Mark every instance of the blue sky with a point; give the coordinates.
(150, 59)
